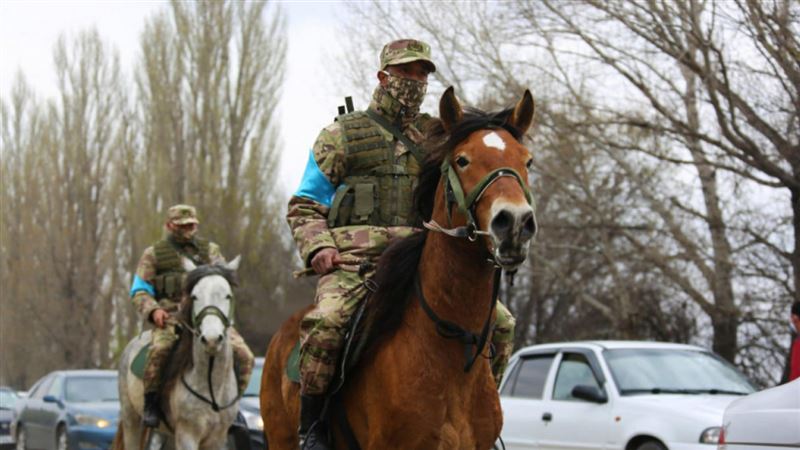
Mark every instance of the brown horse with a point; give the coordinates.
(414, 389)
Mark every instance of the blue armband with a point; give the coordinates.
(141, 285)
(315, 185)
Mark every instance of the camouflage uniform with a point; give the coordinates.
(340, 291)
(145, 291)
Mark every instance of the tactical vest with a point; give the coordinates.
(170, 274)
(378, 188)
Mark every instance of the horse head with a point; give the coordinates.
(209, 289)
(485, 176)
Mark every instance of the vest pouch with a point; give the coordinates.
(158, 284)
(341, 207)
(364, 203)
(171, 286)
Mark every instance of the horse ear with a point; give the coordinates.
(187, 264)
(449, 109)
(522, 117)
(234, 263)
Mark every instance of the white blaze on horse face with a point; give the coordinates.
(212, 290)
(494, 140)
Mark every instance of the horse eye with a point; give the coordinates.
(529, 163)
(462, 161)
(193, 297)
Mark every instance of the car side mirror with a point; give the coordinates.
(51, 399)
(589, 393)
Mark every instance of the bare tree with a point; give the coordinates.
(208, 83)
(59, 210)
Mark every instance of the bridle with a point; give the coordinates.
(197, 319)
(454, 195)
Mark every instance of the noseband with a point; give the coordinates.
(212, 310)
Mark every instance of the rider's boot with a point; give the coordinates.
(313, 435)
(150, 417)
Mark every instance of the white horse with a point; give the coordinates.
(203, 403)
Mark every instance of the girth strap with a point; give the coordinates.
(451, 330)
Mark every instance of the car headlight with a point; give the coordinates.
(93, 421)
(254, 421)
(710, 435)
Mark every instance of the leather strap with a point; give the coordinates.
(451, 330)
(388, 126)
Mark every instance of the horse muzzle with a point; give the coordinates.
(511, 229)
(212, 335)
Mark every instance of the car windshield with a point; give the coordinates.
(91, 389)
(254, 385)
(674, 371)
(7, 399)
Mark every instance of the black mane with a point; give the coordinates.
(397, 266)
(205, 270)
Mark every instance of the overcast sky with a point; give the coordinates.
(29, 29)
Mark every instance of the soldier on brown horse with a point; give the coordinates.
(422, 382)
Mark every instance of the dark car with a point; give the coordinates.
(8, 398)
(250, 409)
(69, 409)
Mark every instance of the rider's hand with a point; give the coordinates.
(159, 317)
(325, 260)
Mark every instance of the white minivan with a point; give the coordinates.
(624, 395)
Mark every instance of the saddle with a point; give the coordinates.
(140, 361)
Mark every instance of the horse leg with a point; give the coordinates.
(215, 444)
(186, 441)
(132, 436)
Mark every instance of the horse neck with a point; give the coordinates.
(223, 362)
(456, 279)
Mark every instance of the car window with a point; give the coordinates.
(55, 387)
(573, 370)
(41, 386)
(7, 399)
(639, 371)
(84, 389)
(530, 377)
(254, 386)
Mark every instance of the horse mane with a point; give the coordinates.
(181, 355)
(397, 266)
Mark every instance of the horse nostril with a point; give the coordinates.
(528, 226)
(203, 340)
(501, 223)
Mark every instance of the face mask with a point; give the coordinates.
(184, 234)
(408, 92)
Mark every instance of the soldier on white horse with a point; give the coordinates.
(156, 292)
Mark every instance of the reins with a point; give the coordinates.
(451, 330)
(213, 401)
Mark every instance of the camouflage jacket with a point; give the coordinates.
(143, 292)
(308, 209)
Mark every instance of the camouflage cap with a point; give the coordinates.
(405, 51)
(182, 214)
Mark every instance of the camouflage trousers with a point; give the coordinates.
(164, 339)
(322, 331)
